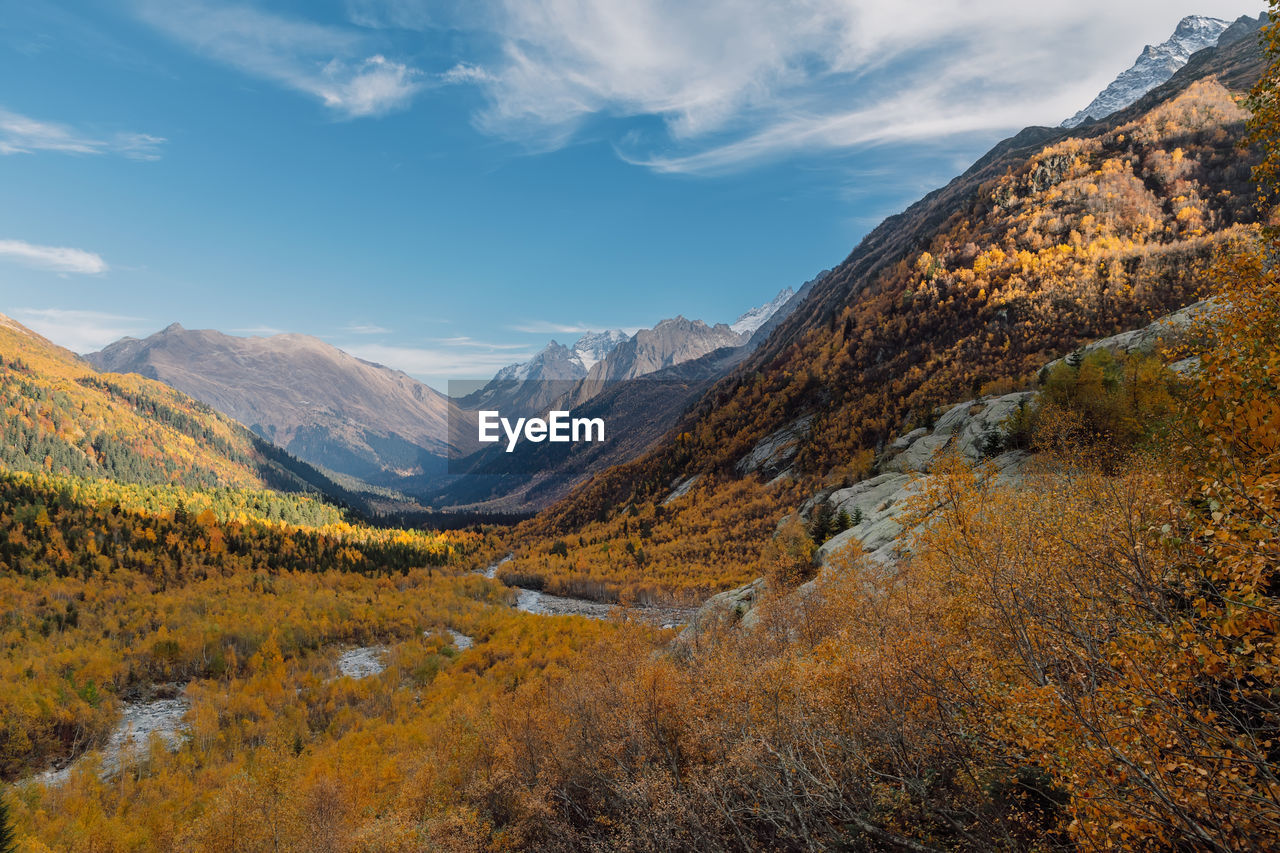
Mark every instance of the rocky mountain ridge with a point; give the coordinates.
(556, 362)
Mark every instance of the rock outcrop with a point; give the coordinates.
(775, 451)
(973, 430)
(1168, 329)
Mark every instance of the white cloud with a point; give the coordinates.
(737, 82)
(465, 73)
(330, 63)
(365, 329)
(20, 134)
(438, 364)
(390, 14)
(54, 258)
(543, 327)
(464, 341)
(79, 331)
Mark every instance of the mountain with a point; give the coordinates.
(312, 399)
(669, 343)
(1243, 27)
(1055, 237)
(639, 412)
(63, 417)
(556, 362)
(1154, 66)
(640, 389)
(528, 389)
(752, 320)
(594, 346)
(560, 373)
(783, 311)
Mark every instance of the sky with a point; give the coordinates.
(443, 186)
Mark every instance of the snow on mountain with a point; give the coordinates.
(1154, 66)
(757, 317)
(556, 362)
(593, 346)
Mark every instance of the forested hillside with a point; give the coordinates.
(1037, 249)
(150, 577)
(1066, 641)
(63, 417)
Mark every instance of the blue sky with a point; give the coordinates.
(443, 185)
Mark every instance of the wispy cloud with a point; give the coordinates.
(334, 64)
(20, 134)
(438, 364)
(464, 341)
(54, 258)
(365, 329)
(738, 82)
(465, 73)
(542, 327)
(79, 331)
(546, 327)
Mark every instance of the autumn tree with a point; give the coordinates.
(8, 838)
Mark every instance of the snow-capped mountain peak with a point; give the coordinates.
(1155, 65)
(757, 317)
(556, 362)
(594, 346)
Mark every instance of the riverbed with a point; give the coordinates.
(138, 721)
(546, 604)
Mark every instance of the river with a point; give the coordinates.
(546, 604)
(129, 739)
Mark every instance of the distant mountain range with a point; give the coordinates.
(582, 370)
(558, 362)
(304, 395)
(1156, 64)
(381, 426)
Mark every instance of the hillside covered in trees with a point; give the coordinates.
(148, 566)
(63, 417)
(1054, 239)
(1082, 656)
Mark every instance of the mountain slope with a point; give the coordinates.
(310, 398)
(783, 311)
(1154, 65)
(528, 389)
(1053, 238)
(667, 344)
(594, 346)
(750, 321)
(63, 417)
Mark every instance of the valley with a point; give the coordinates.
(966, 543)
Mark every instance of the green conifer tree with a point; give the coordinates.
(8, 837)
